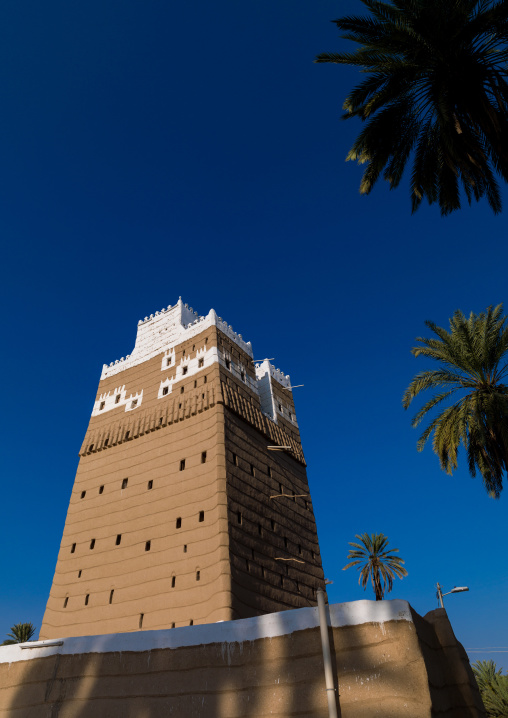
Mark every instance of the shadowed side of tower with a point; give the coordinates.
(179, 513)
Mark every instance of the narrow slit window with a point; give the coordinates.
(263, 572)
(203, 457)
(66, 601)
(272, 524)
(228, 364)
(297, 587)
(106, 441)
(165, 391)
(111, 593)
(252, 470)
(191, 622)
(285, 542)
(182, 464)
(73, 548)
(92, 544)
(247, 565)
(179, 406)
(141, 616)
(117, 398)
(202, 396)
(90, 448)
(124, 483)
(235, 459)
(239, 517)
(127, 434)
(205, 379)
(168, 361)
(161, 420)
(150, 485)
(193, 347)
(282, 580)
(201, 363)
(299, 549)
(198, 575)
(103, 404)
(280, 407)
(260, 530)
(83, 494)
(182, 389)
(79, 573)
(118, 539)
(148, 545)
(195, 383)
(185, 548)
(270, 471)
(173, 581)
(281, 489)
(243, 375)
(179, 523)
(172, 625)
(101, 489)
(87, 597)
(201, 516)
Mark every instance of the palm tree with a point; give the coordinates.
(376, 563)
(493, 688)
(436, 91)
(473, 363)
(20, 633)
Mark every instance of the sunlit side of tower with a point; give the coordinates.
(180, 512)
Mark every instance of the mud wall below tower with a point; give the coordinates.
(388, 661)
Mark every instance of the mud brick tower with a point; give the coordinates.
(180, 513)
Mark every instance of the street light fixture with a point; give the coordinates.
(455, 589)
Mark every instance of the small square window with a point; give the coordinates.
(182, 464)
(124, 483)
(117, 398)
(92, 544)
(201, 363)
(150, 485)
(83, 494)
(185, 370)
(201, 516)
(179, 523)
(118, 539)
(165, 391)
(148, 545)
(101, 489)
(103, 404)
(203, 457)
(73, 548)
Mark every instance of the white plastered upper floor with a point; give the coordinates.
(161, 332)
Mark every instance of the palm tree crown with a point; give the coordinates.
(20, 633)
(376, 562)
(436, 91)
(474, 362)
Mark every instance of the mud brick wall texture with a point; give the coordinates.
(388, 663)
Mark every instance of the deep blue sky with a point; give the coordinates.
(150, 150)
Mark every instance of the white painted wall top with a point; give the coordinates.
(227, 632)
(165, 329)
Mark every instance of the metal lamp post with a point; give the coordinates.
(456, 589)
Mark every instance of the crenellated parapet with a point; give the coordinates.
(162, 331)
